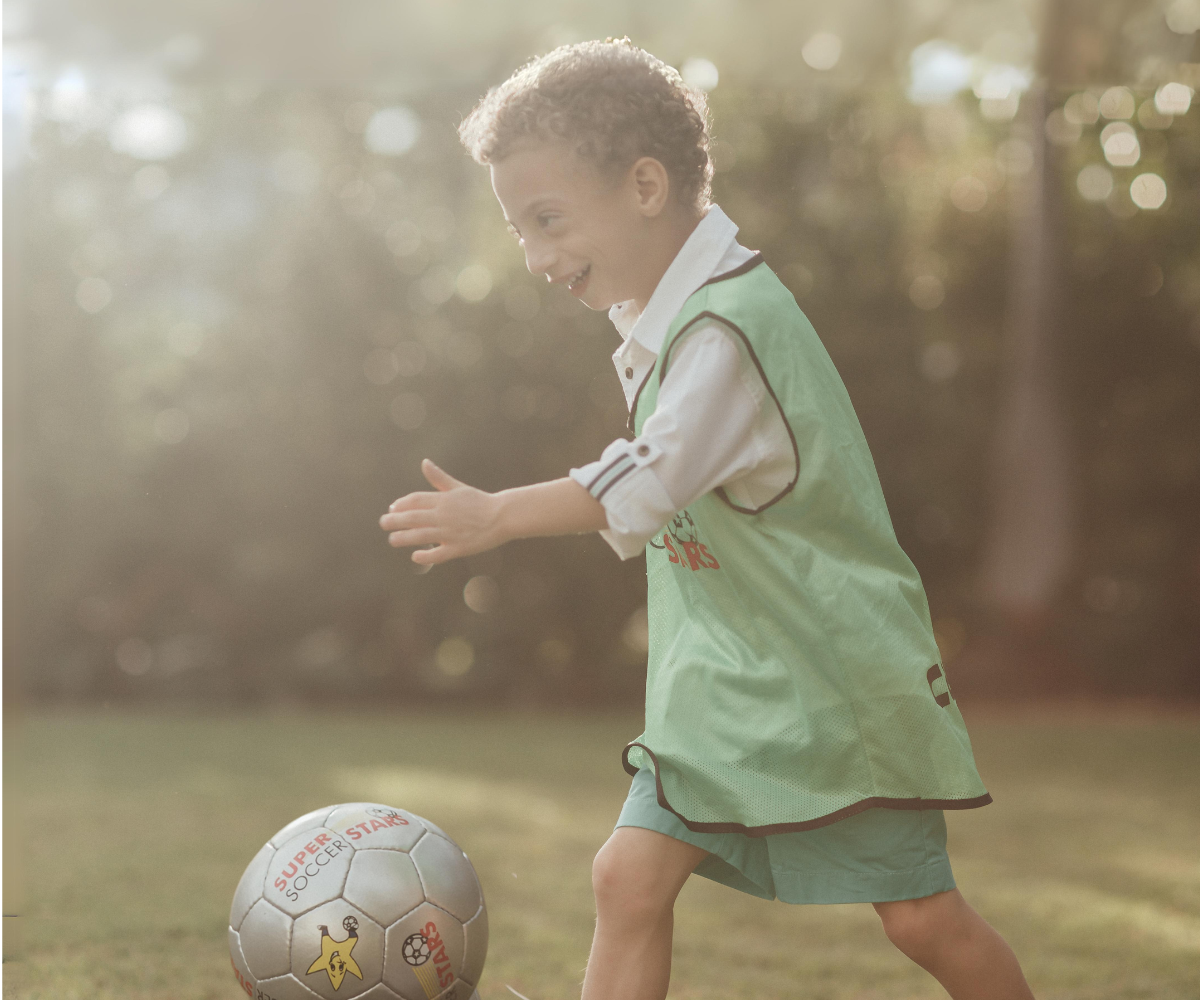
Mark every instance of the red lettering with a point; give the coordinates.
(692, 551)
(363, 827)
(281, 884)
(430, 929)
(241, 979)
(439, 956)
(354, 834)
(712, 563)
(291, 869)
(323, 839)
(300, 858)
(376, 825)
(311, 848)
(445, 977)
(674, 556)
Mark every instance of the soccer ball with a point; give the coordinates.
(359, 900)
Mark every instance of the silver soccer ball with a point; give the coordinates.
(359, 900)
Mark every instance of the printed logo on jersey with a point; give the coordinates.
(426, 953)
(336, 958)
(682, 543)
(938, 685)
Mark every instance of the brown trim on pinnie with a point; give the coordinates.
(770, 829)
(666, 359)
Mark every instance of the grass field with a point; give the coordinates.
(126, 833)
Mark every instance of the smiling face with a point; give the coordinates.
(607, 241)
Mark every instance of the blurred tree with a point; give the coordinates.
(257, 280)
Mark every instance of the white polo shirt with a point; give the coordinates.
(710, 427)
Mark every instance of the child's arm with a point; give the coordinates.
(461, 520)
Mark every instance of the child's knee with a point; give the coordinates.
(622, 887)
(921, 927)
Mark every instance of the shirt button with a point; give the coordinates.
(643, 450)
(629, 373)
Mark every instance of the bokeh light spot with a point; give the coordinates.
(149, 132)
(481, 594)
(1149, 117)
(438, 285)
(93, 294)
(1015, 157)
(1060, 130)
(1001, 82)
(927, 291)
(822, 51)
(403, 238)
(1120, 144)
(937, 71)
(940, 361)
(1082, 109)
(437, 223)
(1000, 109)
(1173, 99)
(392, 131)
(968, 193)
(1148, 191)
(380, 366)
(1117, 102)
(321, 649)
(410, 358)
(1094, 182)
(455, 656)
(1183, 16)
(135, 656)
(473, 283)
(700, 73)
(407, 411)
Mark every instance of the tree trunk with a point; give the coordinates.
(1030, 541)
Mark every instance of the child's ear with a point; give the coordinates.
(652, 186)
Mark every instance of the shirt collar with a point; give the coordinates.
(691, 268)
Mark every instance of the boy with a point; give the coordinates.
(800, 740)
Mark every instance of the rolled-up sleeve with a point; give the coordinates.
(699, 436)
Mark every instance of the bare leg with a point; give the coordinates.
(636, 876)
(954, 944)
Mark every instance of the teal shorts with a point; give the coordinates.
(875, 856)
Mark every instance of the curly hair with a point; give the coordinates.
(611, 102)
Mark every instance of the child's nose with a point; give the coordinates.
(539, 257)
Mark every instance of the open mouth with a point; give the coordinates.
(575, 283)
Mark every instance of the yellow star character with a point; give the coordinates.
(336, 958)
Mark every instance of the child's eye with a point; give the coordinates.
(546, 219)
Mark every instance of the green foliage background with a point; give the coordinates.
(244, 562)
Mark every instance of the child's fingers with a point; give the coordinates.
(437, 478)
(421, 517)
(432, 557)
(414, 501)
(413, 536)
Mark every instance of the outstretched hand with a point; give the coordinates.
(458, 520)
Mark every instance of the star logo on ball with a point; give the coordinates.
(336, 956)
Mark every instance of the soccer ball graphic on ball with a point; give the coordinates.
(359, 900)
